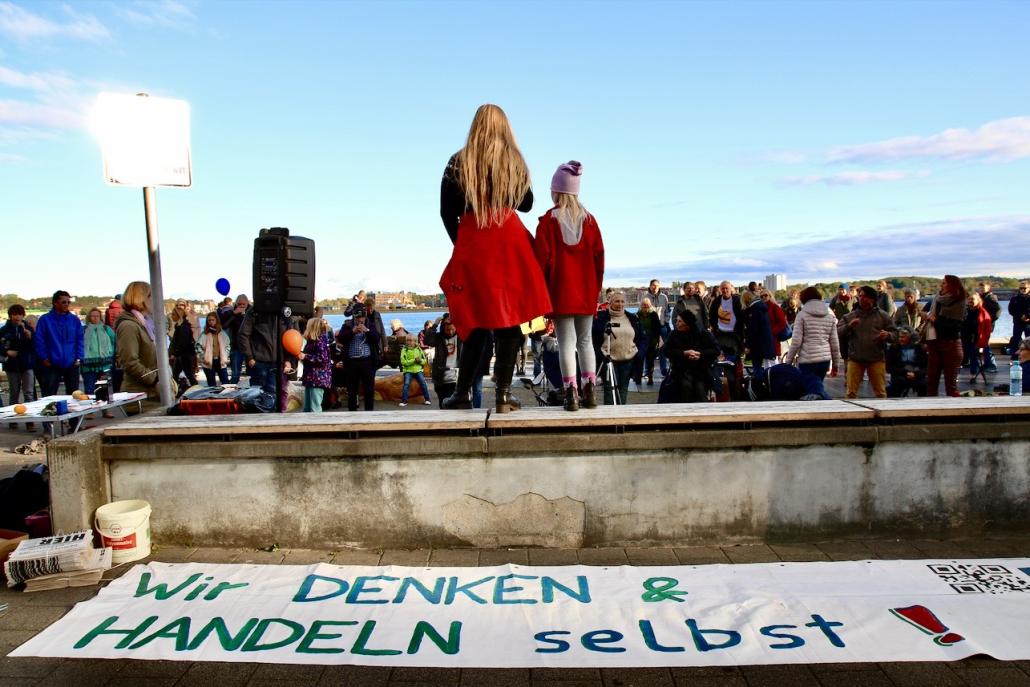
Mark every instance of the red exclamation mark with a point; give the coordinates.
(923, 618)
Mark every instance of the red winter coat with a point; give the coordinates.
(492, 280)
(573, 273)
(985, 326)
(777, 322)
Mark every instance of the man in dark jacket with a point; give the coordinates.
(691, 300)
(1019, 308)
(726, 318)
(232, 319)
(868, 329)
(59, 346)
(16, 351)
(758, 337)
(259, 339)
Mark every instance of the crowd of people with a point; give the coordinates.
(714, 344)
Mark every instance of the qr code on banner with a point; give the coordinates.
(981, 579)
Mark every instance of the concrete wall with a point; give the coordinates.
(570, 490)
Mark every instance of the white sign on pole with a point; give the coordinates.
(145, 141)
(523, 616)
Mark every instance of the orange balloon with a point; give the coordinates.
(293, 342)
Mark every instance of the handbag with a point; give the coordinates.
(786, 333)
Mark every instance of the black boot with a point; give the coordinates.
(588, 396)
(459, 400)
(571, 397)
(507, 349)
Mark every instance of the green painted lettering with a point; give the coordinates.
(500, 590)
(549, 585)
(303, 594)
(223, 587)
(178, 629)
(359, 588)
(423, 629)
(453, 588)
(361, 644)
(104, 629)
(160, 591)
(199, 588)
(313, 634)
(228, 641)
(252, 643)
(432, 597)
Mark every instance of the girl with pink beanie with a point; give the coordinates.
(571, 255)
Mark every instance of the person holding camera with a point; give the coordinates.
(359, 341)
(231, 320)
(617, 335)
(17, 355)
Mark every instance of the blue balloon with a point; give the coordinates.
(222, 286)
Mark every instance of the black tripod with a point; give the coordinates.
(606, 370)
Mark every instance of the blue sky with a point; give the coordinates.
(719, 140)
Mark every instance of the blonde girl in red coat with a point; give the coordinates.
(571, 255)
(492, 281)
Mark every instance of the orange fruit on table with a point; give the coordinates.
(20, 409)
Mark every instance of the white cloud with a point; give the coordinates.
(22, 25)
(1002, 140)
(39, 115)
(785, 157)
(42, 82)
(963, 245)
(856, 178)
(10, 158)
(166, 13)
(20, 134)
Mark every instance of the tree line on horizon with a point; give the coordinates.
(925, 285)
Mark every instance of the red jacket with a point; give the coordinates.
(984, 328)
(573, 273)
(492, 280)
(777, 322)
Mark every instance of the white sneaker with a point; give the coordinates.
(427, 403)
(402, 404)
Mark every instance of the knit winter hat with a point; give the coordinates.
(566, 179)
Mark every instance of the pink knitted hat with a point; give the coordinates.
(566, 179)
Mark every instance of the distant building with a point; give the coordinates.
(775, 282)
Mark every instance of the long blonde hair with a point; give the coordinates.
(491, 169)
(315, 328)
(569, 206)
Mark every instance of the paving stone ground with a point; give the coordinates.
(30, 613)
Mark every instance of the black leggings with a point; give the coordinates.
(475, 354)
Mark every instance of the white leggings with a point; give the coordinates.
(574, 335)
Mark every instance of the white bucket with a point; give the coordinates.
(125, 527)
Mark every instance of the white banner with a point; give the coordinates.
(522, 616)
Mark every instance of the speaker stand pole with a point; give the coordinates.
(279, 374)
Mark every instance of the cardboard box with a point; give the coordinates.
(9, 540)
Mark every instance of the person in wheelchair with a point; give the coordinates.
(691, 351)
(906, 363)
